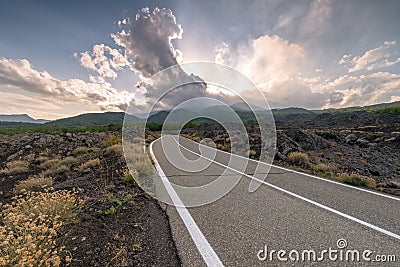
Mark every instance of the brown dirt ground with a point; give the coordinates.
(138, 234)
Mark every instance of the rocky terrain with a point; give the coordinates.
(117, 224)
(330, 145)
(112, 222)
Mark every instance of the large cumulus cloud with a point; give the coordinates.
(145, 46)
(20, 74)
(379, 57)
(280, 68)
(147, 40)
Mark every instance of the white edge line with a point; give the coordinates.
(374, 227)
(305, 174)
(210, 257)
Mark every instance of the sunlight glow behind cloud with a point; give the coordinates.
(304, 55)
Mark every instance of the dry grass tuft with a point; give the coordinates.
(252, 153)
(120, 258)
(58, 166)
(15, 167)
(56, 170)
(49, 164)
(69, 161)
(113, 139)
(114, 150)
(30, 224)
(33, 184)
(322, 168)
(80, 150)
(298, 158)
(357, 180)
(90, 164)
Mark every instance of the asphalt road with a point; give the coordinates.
(290, 212)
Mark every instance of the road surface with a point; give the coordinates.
(288, 220)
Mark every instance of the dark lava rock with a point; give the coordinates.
(351, 138)
(362, 142)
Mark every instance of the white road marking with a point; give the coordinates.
(210, 257)
(374, 227)
(305, 174)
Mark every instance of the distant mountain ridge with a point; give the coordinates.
(20, 118)
(93, 119)
(219, 112)
(361, 108)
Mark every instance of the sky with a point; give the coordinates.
(63, 58)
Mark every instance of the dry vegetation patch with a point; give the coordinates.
(49, 163)
(15, 167)
(357, 180)
(30, 224)
(69, 161)
(114, 150)
(113, 139)
(90, 164)
(80, 150)
(299, 159)
(33, 184)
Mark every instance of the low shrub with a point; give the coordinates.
(321, 167)
(56, 170)
(113, 139)
(80, 150)
(114, 150)
(33, 184)
(357, 180)
(16, 167)
(30, 224)
(118, 201)
(41, 159)
(49, 164)
(298, 158)
(68, 161)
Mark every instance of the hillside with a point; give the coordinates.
(18, 125)
(287, 115)
(20, 118)
(93, 119)
(364, 108)
(180, 115)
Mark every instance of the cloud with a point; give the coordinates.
(274, 64)
(264, 59)
(25, 101)
(19, 73)
(147, 40)
(372, 59)
(146, 47)
(104, 60)
(335, 98)
(170, 88)
(318, 13)
(147, 43)
(279, 68)
(366, 89)
(222, 54)
(293, 93)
